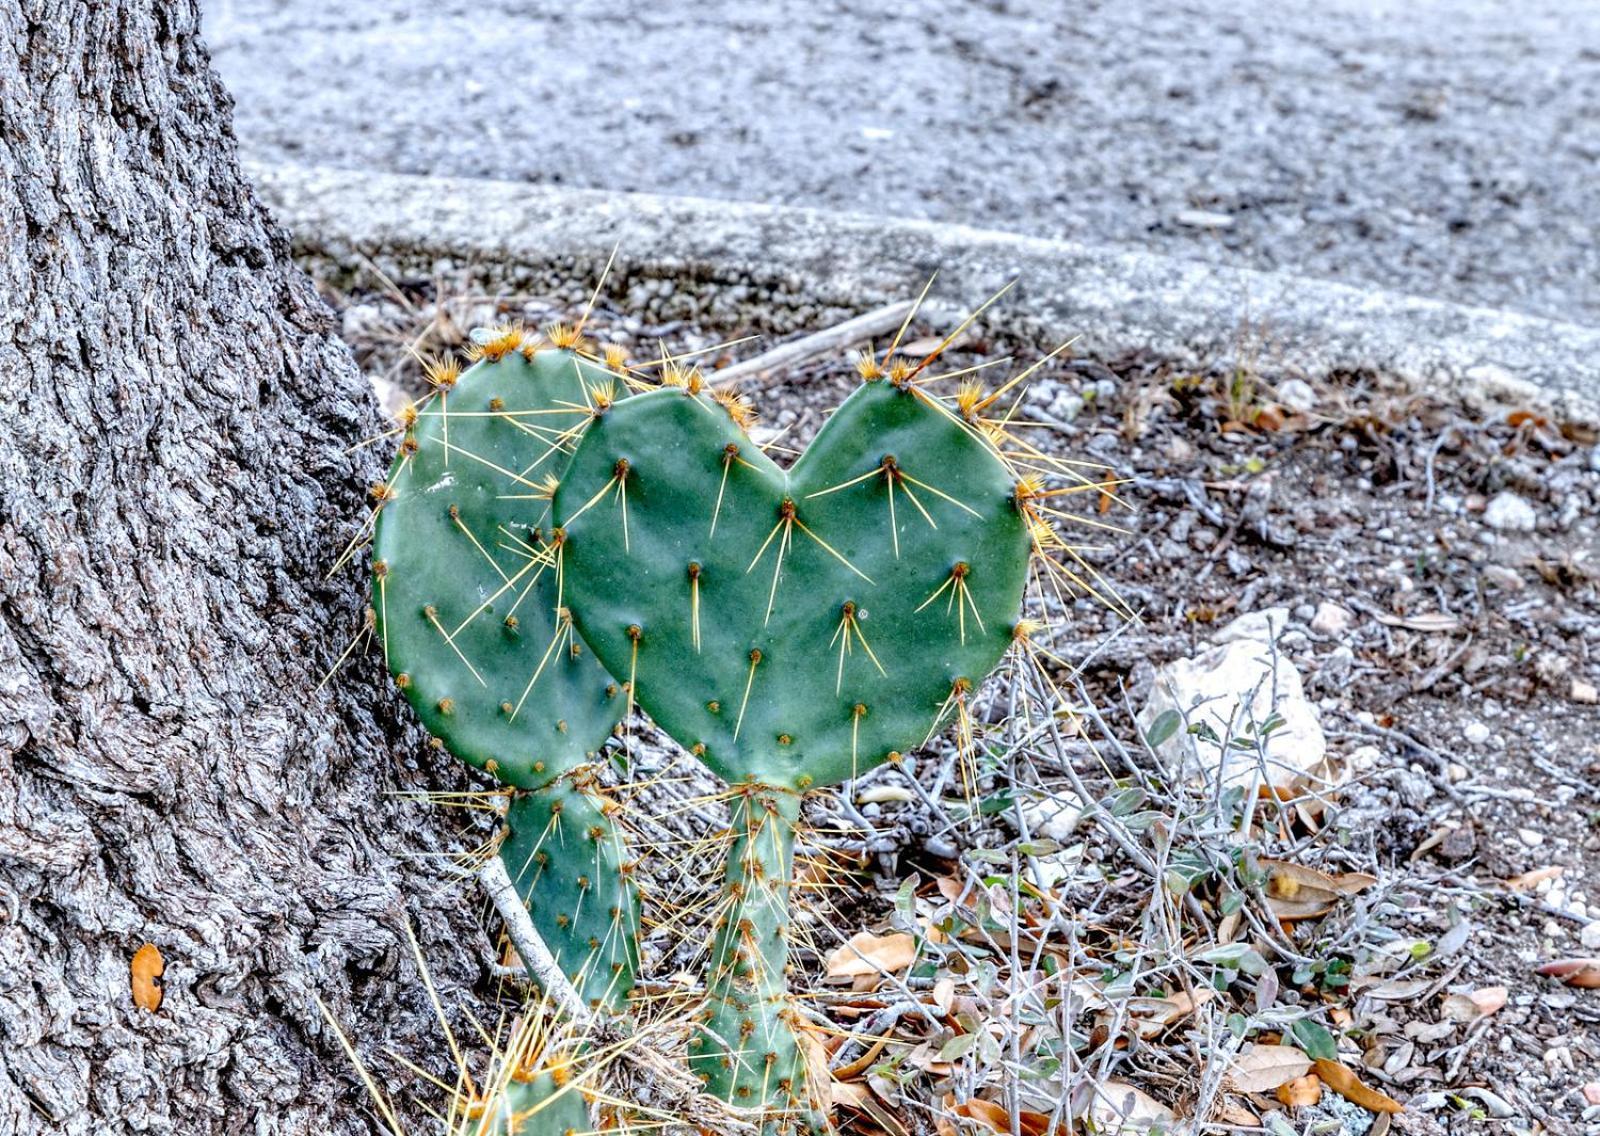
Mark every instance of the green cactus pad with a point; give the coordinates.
(466, 581)
(566, 859)
(536, 1107)
(903, 561)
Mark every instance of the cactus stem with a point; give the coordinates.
(433, 618)
(755, 661)
(444, 423)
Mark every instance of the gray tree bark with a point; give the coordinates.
(175, 412)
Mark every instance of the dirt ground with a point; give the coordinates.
(1439, 564)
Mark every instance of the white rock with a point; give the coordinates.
(1204, 219)
(1331, 619)
(1507, 512)
(1530, 837)
(1476, 733)
(1456, 772)
(1056, 816)
(1590, 936)
(1297, 394)
(1584, 692)
(1233, 687)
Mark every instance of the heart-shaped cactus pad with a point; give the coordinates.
(793, 627)
(464, 584)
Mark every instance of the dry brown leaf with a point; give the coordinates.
(1432, 621)
(1301, 1091)
(1343, 1081)
(1152, 1015)
(1265, 1067)
(1475, 1004)
(145, 972)
(1297, 892)
(1119, 1107)
(867, 953)
(1529, 880)
(1584, 973)
(944, 993)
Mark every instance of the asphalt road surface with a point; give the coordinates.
(1449, 148)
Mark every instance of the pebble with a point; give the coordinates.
(1590, 936)
(1456, 773)
(1531, 837)
(1584, 692)
(1503, 577)
(1297, 394)
(1507, 512)
(1204, 219)
(1331, 619)
(1476, 733)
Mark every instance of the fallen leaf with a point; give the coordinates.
(1121, 1108)
(1266, 1067)
(1434, 621)
(1528, 880)
(944, 993)
(867, 953)
(1270, 417)
(1152, 1015)
(1297, 892)
(1584, 973)
(146, 970)
(1301, 1092)
(883, 795)
(1476, 1004)
(1343, 1081)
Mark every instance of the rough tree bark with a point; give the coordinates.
(175, 413)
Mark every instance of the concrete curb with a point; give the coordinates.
(1195, 315)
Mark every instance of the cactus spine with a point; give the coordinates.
(792, 628)
(468, 594)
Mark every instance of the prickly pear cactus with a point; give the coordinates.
(792, 628)
(467, 587)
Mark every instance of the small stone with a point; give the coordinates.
(1331, 619)
(1590, 936)
(1476, 733)
(1584, 692)
(1204, 219)
(1531, 837)
(1297, 395)
(1456, 772)
(1500, 576)
(1507, 512)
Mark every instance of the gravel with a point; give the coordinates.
(1441, 147)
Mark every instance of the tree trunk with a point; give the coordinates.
(175, 484)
